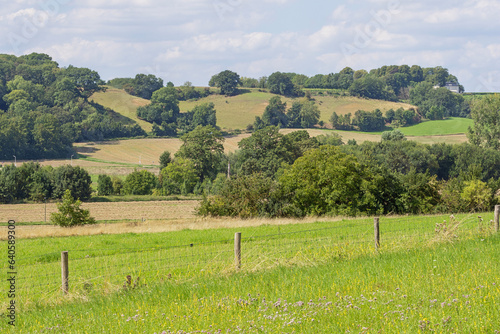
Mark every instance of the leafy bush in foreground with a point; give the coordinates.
(70, 214)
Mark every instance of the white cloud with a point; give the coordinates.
(325, 35)
(171, 54)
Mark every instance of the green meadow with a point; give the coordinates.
(430, 274)
(450, 126)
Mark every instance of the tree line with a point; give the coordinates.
(394, 176)
(273, 174)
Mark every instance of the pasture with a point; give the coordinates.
(236, 112)
(450, 126)
(123, 103)
(431, 273)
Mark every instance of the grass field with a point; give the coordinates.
(450, 126)
(323, 277)
(236, 112)
(123, 103)
(108, 211)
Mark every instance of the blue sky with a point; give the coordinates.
(190, 40)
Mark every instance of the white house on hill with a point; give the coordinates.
(452, 87)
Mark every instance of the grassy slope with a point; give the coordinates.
(123, 103)
(451, 287)
(237, 112)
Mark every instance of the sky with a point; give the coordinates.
(191, 40)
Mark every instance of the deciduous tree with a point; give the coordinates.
(486, 115)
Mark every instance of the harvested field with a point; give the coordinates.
(164, 210)
(448, 139)
(152, 226)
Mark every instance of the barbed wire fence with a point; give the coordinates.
(41, 278)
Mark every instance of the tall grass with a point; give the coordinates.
(293, 279)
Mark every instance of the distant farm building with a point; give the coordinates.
(451, 86)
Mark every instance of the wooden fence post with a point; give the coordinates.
(237, 250)
(65, 272)
(497, 218)
(377, 233)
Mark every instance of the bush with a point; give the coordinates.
(476, 195)
(178, 177)
(104, 185)
(70, 214)
(246, 196)
(76, 179)
(140, 183)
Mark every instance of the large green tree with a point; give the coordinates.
(275, 113)
(140, 182)
(486, 115)
(280, 83)
(179, 177)
(76, 179)
(86, 80)
(227, 81)
(204, 147)
(164, 107)
(303, 114)
(326, 181)
(144, 85)
(267, 150)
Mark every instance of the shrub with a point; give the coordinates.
(104, 185)
(245, 196)
(476, 195)
(70, 214)
(140, 183)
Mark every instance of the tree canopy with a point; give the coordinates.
(204, 147)
(486, 115)
(228, 82)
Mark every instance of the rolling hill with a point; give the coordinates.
(122, 103)
(236, 112)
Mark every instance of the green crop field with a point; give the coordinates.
(431, 273)
(450, 126)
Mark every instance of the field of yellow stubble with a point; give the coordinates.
(126, 211)
(135, 217)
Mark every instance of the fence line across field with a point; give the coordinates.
(171, 260)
